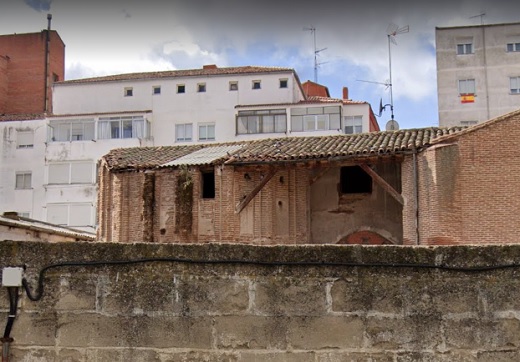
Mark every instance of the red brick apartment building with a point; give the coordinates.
(420, 186)
(27, 73)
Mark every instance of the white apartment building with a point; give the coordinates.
(49, 168)
(478, 72)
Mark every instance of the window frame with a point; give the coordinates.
(284, 83)
(59, 126)
(129, 92)
(463, 83)
(465, 48)
(29, 134)
(136, 125)
(352, 121)
(71, 173)
(26, 175)
(181, 88)
(201, 87)
(256, 84)
(513, 47)
(233, 86)
(68, 212)
(514, 90)
(257, 121)
(156, 90)
(206, 125)
(184, 126)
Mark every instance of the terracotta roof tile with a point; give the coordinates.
(288, 149)
(182, 73)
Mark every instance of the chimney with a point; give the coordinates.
(345, 93)
(209, 66)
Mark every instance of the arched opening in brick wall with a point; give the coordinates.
(365, 237)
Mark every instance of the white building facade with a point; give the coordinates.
(478, 72)
(92, 116)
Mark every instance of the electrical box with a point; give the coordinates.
(12, 277)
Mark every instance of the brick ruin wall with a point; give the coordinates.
(203, 311)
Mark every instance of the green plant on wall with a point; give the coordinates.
(184, 201)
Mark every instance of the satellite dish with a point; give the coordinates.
(392, 125)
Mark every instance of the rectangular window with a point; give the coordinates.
(23, 180)
(123, 127)
(353, 124)
(465, 48)
(71, 130)
(233, 86)
(71, 173)
(315, 119)
(207, 132)
(181, 88)
(354, 180)
(208, 184)
(256, 84)
(201, 87)
(283, 83)
(466, 86)
(24, 139)
(514, 84)
(74, 215)
(262, 121)
(156, 90)
(468, 123)
(183, 132)
(129, 91)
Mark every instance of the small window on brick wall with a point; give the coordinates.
(354, 180)
(208, 184)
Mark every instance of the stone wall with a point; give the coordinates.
(272, 306)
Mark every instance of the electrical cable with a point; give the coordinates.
(13, 306)
(40, 288)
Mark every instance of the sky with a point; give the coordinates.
(105, 37)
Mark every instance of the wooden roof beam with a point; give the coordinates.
(381, 182)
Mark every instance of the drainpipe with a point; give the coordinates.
(416, 191)
(46, 80)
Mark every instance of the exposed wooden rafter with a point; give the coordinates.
(381, 182)
(255, 191)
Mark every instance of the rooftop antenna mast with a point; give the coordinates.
(312, 29)
(391, 32)
(481, 16)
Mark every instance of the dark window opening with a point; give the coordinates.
(208, 185)
(354, 180)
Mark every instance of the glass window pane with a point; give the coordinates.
(62, 132)
(203, 134)
(322, 122)
(115, 131)
(268, 124)
(88, 131)
(80, 215)
(280, 123)
(252, 124)
(296, 123)
(127, 129)
(309, 123)
(241, 125)
(211, 132)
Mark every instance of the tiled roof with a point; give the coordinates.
(340, 146)
(21, 117)
(288, 149)
(182, 73)
(206, 155)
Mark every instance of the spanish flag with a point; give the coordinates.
(470, 98)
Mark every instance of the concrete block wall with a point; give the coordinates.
(175, 311)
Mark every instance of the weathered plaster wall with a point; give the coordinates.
(335, 216)
(171, 311)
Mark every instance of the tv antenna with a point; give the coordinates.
(312, 29)
(391, 32)
(481, 16)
